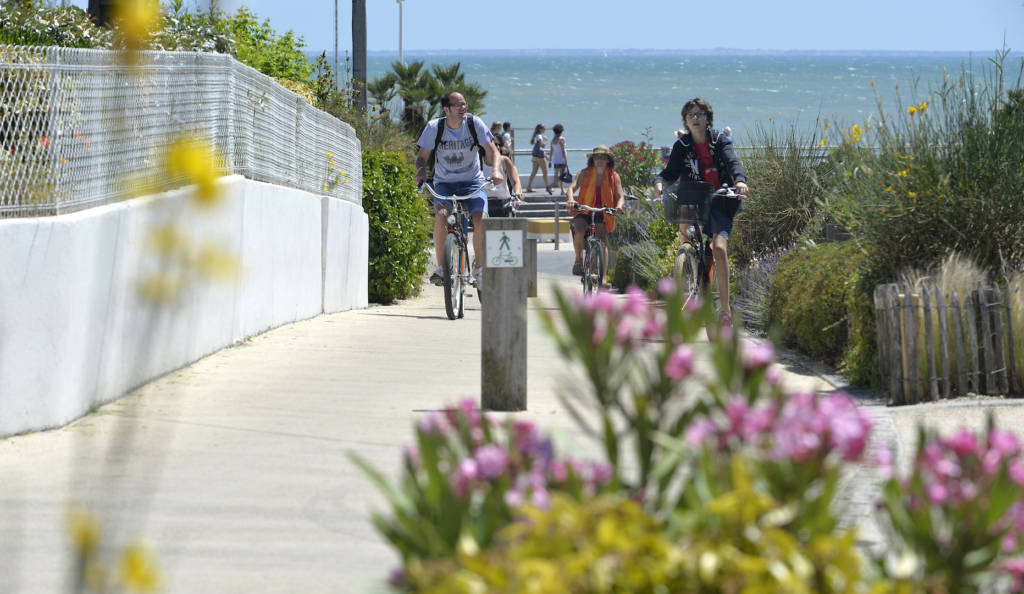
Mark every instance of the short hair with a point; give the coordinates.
(558, 128)
(446, 99)
(699, 103)
(506, 125)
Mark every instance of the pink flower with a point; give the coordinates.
(884, 461)
(636, 302)
(698, 432)
(1015, 567)
(492, 460)
(666, 286)
(963, 442)
(654, 324)
(624, 331)
(558, 471)
(514, 498)
(540, 498)
(600, 473)
(758, 355)
(600, 330)
(599, 301)
(1004, 442)
(412, 454)
(432, 423)
(1017, 471)
(680, 363)
(773, 376)
(937, 493)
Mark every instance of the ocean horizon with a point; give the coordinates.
(608, 96)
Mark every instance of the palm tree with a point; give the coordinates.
(418, 89)
(451, 78)
(382, 90)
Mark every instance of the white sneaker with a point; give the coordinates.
(437, 277)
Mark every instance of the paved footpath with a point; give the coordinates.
(234, 468)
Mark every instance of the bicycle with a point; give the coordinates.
(593, 250)
(457, 271)
(694, 268)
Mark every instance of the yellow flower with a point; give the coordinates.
(135, 19)
(85, 530)
(903, 173)
(167, 240)
(217, 263)
(198, 163)
(822, 142)
(912, 109)
(325, 186)
(330, 167)
(890, 190)
(923, 106)
(856, 133)
(161, 288)
(912, 194)
(330, 155)
(138, 569)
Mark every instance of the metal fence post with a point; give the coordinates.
(558, 226)
(503, 320)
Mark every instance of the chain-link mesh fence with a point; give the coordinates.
(77, 125)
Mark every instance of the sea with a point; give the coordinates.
(604, 97)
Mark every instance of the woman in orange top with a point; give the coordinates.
(598, 186)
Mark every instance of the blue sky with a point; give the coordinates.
(907, 25)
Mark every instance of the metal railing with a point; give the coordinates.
(75, 124)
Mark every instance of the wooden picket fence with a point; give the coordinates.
(933, 346)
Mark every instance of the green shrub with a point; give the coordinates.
(34, 23)
(399, 225)
(642, 243)
(809, 298)
(260, 46)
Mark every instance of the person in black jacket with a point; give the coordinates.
(702, 153)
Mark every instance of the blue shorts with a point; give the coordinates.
(721, 216)
(473, 205)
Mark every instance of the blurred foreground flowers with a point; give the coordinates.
(713, 480)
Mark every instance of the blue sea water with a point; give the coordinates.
(603, 99)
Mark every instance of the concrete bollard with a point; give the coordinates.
(503, 319)
(531, 267)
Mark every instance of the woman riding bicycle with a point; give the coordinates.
(705, 154)
(598, 186)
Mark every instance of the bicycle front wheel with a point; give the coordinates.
(453, 277)
(686, 273)
(593, 267)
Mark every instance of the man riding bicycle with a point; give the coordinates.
(598, 186)
(703, 154)
(458, 171)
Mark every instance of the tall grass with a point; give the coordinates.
(783, 172)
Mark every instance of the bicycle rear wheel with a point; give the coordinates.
(593, 267)
(686, 273)
(452, 278)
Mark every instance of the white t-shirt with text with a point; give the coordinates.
(457, 159)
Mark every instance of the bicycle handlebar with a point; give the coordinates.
(584, 207)
(430, 188)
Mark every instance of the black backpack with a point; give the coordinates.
(471, 124)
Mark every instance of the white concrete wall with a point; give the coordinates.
(75, 333)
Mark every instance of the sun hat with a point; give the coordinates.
(599, 150)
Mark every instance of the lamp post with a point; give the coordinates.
(400, 30)
(337, 79)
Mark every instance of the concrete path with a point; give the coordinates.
(234, 469)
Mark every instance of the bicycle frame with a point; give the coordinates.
(593, 248)
(457, 272)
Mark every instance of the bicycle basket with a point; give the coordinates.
(681, 201)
